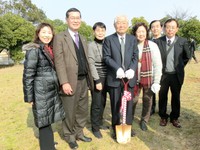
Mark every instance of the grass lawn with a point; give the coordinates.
(17, 130)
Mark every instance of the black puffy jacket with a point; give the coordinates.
(40, 86)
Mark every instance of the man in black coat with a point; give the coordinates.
(120, 53)
(175, 55)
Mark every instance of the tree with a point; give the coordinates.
(58, 25)
(191, 29)
(140, 19)
(14, 31)
(23, 8)
(86, 31)
(180, 14)
(136, 20)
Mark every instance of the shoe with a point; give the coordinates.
(176, 123)
(55, 144)
(114, 136)
(85, 139)
(163, 122)
(132, 133)
(97, 134)
(143, 125)
(73, 145)
(104, 127)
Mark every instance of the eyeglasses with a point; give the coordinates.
(75, 18)
(169, 27)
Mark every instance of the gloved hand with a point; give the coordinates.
(155, 87)
(129, 74)
(120, 73)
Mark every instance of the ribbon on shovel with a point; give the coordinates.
(126, 97)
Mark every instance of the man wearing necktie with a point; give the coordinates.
(120, 54)
(71, 62)
(175, 55)
(156, 31)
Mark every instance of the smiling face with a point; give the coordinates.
(141, 34)
(74, 21)
(100, 33)
(156, 29)
(171, 28)
(45, 35)
(121, 25)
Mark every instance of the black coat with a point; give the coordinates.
(40, 86)
(181, 55)
(113, 59)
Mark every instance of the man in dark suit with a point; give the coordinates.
(120, 53)
(71, 62)
(175, 55)
(156, 31)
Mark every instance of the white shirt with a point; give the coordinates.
(119, 37)
(72, 34)
(172, 39)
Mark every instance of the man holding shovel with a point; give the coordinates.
(120, 54)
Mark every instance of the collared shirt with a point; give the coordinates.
(72, 34)
(172, 39)
(119, 37)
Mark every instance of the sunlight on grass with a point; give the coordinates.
(18, 132)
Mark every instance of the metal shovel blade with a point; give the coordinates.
(123, 133)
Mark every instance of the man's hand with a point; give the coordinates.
(129, 74)
(120, 73)
(66, 87)
(99, 86)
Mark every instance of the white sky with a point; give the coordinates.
(106, 10)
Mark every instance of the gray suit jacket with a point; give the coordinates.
(66, 62)
(113, 59)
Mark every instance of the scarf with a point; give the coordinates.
(145, 70)
(146, 66)
(49, 52)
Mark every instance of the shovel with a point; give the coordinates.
(123, 131)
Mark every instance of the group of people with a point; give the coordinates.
(60, 69)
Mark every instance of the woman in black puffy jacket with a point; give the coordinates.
(40, 85)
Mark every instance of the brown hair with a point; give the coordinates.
(137, 25)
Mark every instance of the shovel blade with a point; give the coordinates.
(123, 133)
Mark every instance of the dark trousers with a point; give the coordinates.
(76, 111)
(146, 103)
(46, 138)
(153, 107)
(97, 106)
(169, 81)
(116, 94)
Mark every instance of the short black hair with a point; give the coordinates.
(153, 22)
(99, 24)
(170, 20)
(72, 10)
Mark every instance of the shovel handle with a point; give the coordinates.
(125, 84)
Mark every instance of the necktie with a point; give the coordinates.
(122, 51)
(169, 42)
(76, 39)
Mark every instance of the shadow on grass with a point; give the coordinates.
(56, 127)
(156, 138)
(169, 137)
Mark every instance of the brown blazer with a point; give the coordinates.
(66, 62)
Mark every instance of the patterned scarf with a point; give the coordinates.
(146, 66)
